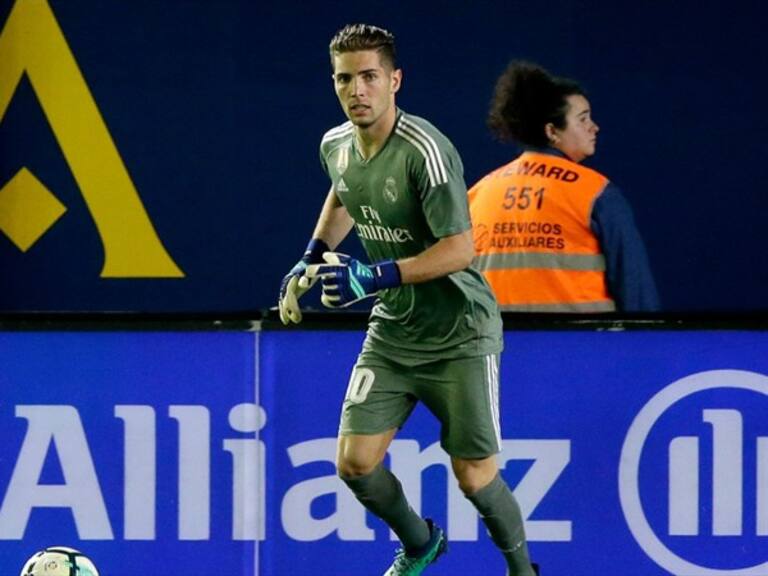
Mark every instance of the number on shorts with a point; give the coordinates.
(360, 384)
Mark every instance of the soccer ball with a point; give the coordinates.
(59, 561)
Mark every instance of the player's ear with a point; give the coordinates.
(396, 80)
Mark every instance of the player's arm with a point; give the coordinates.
(446, 211)
(334, 222)
(346, 280)
(333, 225)
(448, 255)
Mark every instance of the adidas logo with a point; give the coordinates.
(342, 186)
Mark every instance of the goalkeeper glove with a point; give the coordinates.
(296, 283)
(346, 280)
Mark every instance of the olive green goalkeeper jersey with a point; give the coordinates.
(403, 200)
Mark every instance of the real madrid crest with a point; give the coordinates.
(342, 162)
(390, 190)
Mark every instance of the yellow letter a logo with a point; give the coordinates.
(32, 42)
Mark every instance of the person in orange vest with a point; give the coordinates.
(552, 235)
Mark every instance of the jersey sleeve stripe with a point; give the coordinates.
(340, 128)
(339, 132)
(431, 145)
(427, 151)
(420, 147)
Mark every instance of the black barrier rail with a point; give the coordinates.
(129, 321)
(357, 319)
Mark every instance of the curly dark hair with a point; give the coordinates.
(525, 100)
(357, 37)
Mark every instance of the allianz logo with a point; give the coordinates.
(137, 443)
(60, 428)
(705, 437)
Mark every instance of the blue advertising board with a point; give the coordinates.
(635, 453)
(139, 449)
(631, 453)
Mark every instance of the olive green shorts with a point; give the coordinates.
(462, 393)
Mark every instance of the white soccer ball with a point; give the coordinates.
(59, 561)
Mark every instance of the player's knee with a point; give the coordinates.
(473, 476)
(347, 467)
(470, 484)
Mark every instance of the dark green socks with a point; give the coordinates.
(500, 512)
(381, 493)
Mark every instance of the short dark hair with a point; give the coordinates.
(358, 37)
(525, 100)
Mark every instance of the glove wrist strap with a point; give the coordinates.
(387, 274)
(314, 252)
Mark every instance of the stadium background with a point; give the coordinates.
(215, 111)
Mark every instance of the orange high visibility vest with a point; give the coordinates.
(533, 241)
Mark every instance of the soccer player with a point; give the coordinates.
(435, 331)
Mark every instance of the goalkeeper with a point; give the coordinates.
(434, 332)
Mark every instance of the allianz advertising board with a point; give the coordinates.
(637, 453)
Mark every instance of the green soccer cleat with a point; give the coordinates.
(405, 565)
